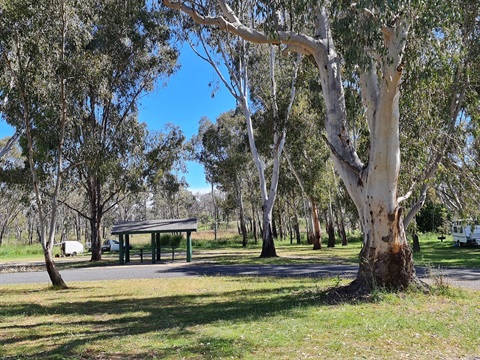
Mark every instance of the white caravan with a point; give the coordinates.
(465, 232)
(71, 248)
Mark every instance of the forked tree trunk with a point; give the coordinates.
(386, 258)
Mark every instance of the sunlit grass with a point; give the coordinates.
(434, 252)
(228, 249)
(239, 318)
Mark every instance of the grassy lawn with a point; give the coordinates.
(234, 318)
(228, 250)
(242, 317)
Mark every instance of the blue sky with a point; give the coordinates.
(184, 100)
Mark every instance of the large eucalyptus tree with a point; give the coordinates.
(223, 151)
(127, 51)
(39, 59)
(240, 61)
(370, 38)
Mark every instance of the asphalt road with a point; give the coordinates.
(468, 278)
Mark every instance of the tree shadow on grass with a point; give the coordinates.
(171, 318)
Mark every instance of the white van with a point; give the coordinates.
(465, 232)
(71, 248)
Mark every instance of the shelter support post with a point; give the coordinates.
(159, 247)
(153, 248)
(127, 248)
(120, 251)
(189, 246)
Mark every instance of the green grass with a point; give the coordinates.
(241, 317)
(20, 252)
(434, 252)
(228, 250)
(232, 318)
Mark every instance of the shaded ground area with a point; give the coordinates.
(468, 278)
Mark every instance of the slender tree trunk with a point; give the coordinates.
(317, 232)
(296, 225)
(95, 220)
(274, 227)
(53, 272)
(2, 231)
(47, 241)
(215, 220)
(343, 233)
(416, 243)
(254, 223)
(309, 221)
(260, 229)
(331, 234)
(243, 228)
(281, 231)
(290, 230)
(268, 246)
(78, 233)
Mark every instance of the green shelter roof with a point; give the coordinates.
(154, 226)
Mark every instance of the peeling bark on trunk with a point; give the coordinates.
(386, 258)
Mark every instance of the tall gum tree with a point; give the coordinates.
(223, 151)
(127, 52)
(236, 57)
(386, 258)
(37, 64)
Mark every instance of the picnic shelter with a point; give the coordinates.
(155, 228)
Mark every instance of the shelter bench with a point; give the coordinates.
(147, 252)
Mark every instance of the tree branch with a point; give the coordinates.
(232, 24)
(370, 90)
(11, 141)
(354, 167)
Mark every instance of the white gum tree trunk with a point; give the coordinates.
(386, 258)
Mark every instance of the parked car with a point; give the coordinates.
(112, 245)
